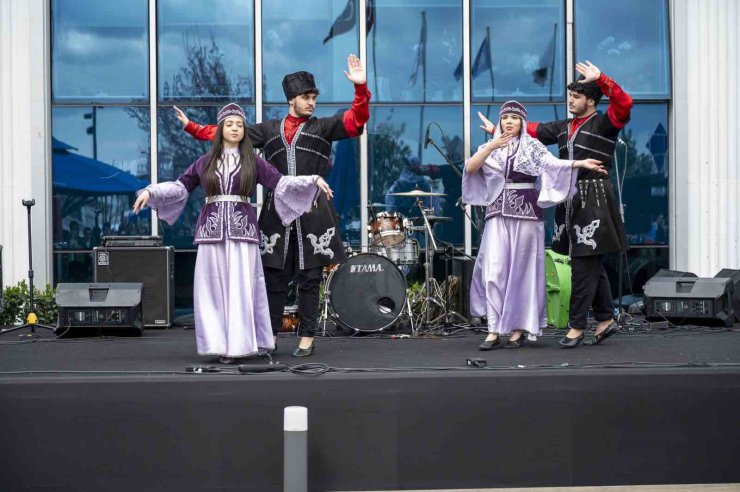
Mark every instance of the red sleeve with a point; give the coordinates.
(201, 132)
(620, 103)
(359, 114)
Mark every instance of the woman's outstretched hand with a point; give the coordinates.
(141, 201)
(324, 186)
(487, 125)
(180, 114)
(591, 165)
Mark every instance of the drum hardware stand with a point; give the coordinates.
(426, 320)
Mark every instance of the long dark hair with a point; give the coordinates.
(246, 158)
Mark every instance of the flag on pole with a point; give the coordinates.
(482, 60)
(421, 52)
(546, 64)
(346, 21)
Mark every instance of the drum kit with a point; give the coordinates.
(368, 291)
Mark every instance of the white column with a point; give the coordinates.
(705, 169)
(467, 98)
(364, 183)
(25, 138)
(153, 98)
(258, 86)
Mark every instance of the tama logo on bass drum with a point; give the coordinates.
(371, 268)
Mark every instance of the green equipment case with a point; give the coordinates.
(557, 271)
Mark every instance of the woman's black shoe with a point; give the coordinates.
(299, 352)
(600, 337)
(566, 342)
(515, 343)
(489, 344)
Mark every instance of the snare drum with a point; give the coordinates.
(387, 229)
(406, 253)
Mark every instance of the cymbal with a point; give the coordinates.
(379, 205)
(416, 193)
(438, 218)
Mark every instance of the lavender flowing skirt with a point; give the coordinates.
(508, 285)
(231, 313)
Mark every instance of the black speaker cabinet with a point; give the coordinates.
(462, 268)
(734, 276)
(152, 266)
(690, 300)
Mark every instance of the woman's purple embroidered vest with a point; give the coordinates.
(516, 203)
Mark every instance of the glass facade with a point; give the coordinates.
(206, 56)
(100, 51)
(205, 51)
(518, 50)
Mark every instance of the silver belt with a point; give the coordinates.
(519, 186)
(227, 198)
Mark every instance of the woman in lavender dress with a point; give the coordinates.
(232, 318)
(508, 285)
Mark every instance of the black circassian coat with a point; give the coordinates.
(589, 223)
(319, 242)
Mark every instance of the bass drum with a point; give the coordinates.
(366, 293)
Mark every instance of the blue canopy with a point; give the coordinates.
(74, 174)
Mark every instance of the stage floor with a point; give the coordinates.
(173, 350)
(122, 414)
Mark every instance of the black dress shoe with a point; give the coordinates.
(515, 343)
(600, 337)
(566, 342)
(489, 344)
(299, 352)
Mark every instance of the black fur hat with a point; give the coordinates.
(297, 83)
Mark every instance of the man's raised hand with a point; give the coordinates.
(355, 72)
(589, 71)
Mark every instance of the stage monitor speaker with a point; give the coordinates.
(113, 307)
(734, 276)
(694, 300)
(152, 266)
(665, 273)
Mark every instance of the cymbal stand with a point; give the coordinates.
(429, 280)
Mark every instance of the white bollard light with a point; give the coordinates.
(295, 449)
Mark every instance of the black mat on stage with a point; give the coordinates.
(120, 414)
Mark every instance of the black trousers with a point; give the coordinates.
(309, 282)
(589, 288)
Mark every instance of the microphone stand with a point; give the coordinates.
(32, 321)
(461, 205)
(620, 308)
(428, 140)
